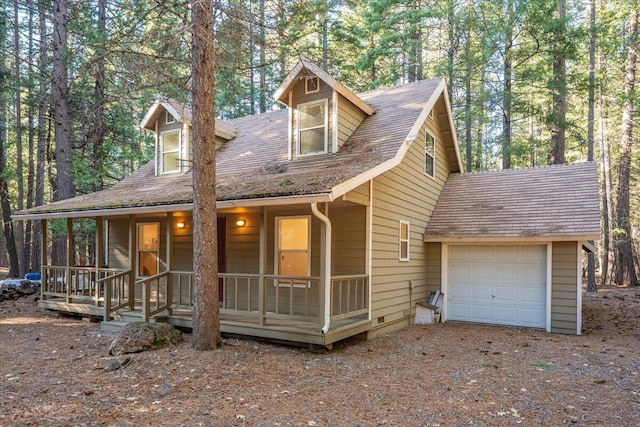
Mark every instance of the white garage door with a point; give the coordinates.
(503, 285)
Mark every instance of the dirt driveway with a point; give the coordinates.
(52, 373)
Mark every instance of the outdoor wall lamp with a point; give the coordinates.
(181, 224)
(241, 223)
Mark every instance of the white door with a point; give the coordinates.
(497, 284)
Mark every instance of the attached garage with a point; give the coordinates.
(497, 284)
(511, 245)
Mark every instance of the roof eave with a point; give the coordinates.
(137, 210)
(510, 239)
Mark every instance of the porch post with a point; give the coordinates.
(132, 261)
(169, 260)
(263, 255)
(69, 281)
(99, 256)
(43, 258)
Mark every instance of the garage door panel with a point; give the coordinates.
(505, 273)
(498, 284)
(505, 315)
(482, 273)
(480, 313)
(506, 294)
(480, 293)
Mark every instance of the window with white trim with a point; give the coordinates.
(148, 246)
(312, 127)
(169, 118)
(429, 155)
(169, 151)
(293, 249)
(403, 241)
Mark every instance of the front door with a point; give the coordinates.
(148, 247)
(293, 242)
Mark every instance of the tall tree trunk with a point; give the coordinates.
(591, 258)
(5, 205)
(22, 253)
(28, 234)
(559, 87)
(262, 106)
(41, 132)
(99, 97)
(625, 269)
(206, 314)
(507, 95)
(62, 125)
(468, 99)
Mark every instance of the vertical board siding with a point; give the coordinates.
(406, 193)
(349, 118)
(563, 289)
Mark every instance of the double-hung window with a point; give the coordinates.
(312, 127)
(429, 155)
(170, 151)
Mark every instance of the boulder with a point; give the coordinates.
(141, 336)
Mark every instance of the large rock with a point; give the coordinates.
(141, 336)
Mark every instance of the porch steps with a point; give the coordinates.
(124, 317)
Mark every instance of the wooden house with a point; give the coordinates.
(336, 216)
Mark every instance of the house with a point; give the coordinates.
(336, 216)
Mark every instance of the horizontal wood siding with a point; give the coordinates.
(349, 118)
(118, 241)
(243, 243)
(405, 193)
(358, 195)
(182, 254)
(348, 239)
(564, 287)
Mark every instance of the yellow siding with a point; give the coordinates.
(243, 243)
(564, 287)
(348, 241)
(349, 118)
(358, 195)
(405, 193)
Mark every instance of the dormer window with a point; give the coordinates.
(312, 125)
(169, 151)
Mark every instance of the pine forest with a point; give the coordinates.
(532, 83)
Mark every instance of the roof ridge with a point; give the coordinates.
(526, 168)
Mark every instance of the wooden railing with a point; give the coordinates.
(75, 284)
(349, 296)
(113, 292)
(157, 294)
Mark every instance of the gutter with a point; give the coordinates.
(327, 267)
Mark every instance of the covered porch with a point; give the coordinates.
(297, 273)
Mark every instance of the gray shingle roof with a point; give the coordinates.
(254, 164)
(551, 201)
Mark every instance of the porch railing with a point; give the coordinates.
(79, 284)
(349, 296)
(156, 294)
(114, 292)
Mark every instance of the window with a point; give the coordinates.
(430, 155)
(148, 235)
(312, 125)
(169, 118)
(293, 242)
(403, 253)
(170, 151)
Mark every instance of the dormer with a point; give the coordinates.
(171, 123)
(322, 112)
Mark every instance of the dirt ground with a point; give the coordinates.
(52, 373)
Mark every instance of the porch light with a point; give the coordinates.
(181, 224)
(241, 223)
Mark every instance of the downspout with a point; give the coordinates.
(327, 266)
